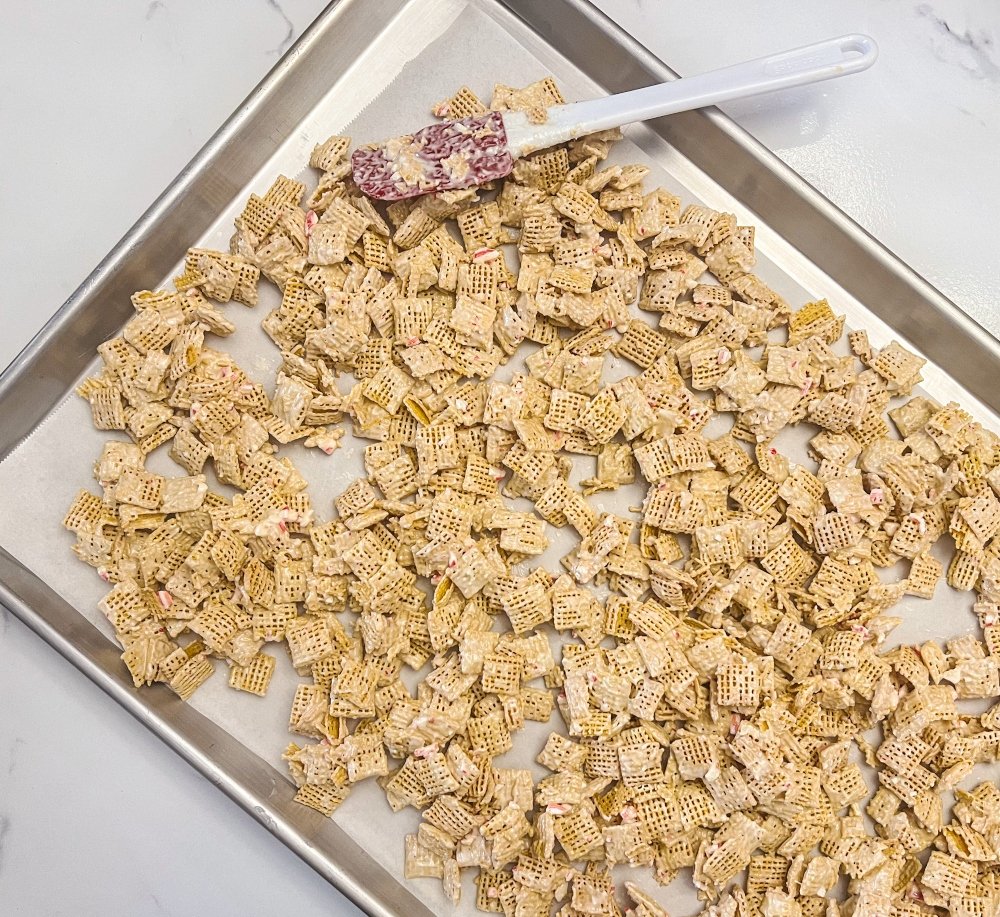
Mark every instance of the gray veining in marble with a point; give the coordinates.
(289, 36)
(12, 754)
(4, 831)
(158, 904)
(972, 49)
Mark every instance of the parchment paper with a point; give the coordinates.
(389, 91)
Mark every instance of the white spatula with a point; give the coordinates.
(459, 154)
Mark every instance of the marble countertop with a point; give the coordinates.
(102, 103)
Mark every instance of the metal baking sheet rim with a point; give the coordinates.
(47, 366)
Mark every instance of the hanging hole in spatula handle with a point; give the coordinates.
(846, 54)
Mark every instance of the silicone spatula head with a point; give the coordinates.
(441, 157)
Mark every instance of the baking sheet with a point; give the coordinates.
(427, 52)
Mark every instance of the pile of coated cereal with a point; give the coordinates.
(724, 702)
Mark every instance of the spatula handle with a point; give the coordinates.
(810, 64)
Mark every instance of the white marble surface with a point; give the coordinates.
(102, 103)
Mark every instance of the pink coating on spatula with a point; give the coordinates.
(442, 157)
